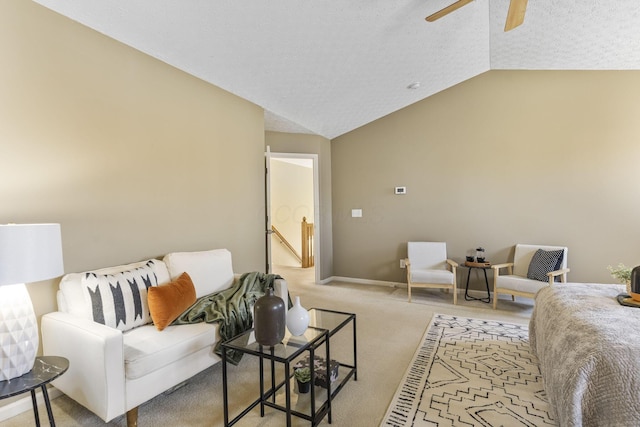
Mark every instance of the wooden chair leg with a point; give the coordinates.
(455, 295)
(409, 291)
(495, 289)
(132, 417)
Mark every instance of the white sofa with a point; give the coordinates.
(113, 370)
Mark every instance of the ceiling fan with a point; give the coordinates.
(515, 16)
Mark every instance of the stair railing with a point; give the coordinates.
(284, 241)
(307, 244)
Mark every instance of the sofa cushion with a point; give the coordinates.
(119, 300)
(146, 349)
(521, 284)
(436, 277)
(168, 301)
(210, 271)
(544, 262)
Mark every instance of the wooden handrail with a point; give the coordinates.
(286, 243)
(307, 244)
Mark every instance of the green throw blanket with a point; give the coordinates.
(231, 308)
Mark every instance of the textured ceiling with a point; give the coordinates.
(330, 66)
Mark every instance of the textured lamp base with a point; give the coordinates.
(18, 332)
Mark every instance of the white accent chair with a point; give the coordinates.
(515, 281)
(428, 267)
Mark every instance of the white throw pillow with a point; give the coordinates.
(211, 271)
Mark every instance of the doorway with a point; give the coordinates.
(292, 199)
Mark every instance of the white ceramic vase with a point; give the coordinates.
(297, 318)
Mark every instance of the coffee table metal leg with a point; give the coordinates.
(355, 352)
(225, 396)
(312, 358)
(273, 375)
(287, 392)
(328, 378)
(262, 385)
(35, 407)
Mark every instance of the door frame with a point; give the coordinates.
(269, 155)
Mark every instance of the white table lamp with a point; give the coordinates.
(28, 253)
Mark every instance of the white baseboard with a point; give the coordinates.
(24, 404)
(472, 292)
(362, 281)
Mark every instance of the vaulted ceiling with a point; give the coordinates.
(330, 66)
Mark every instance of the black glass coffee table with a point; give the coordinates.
(286, 352)
(333, 321)
(323, 325)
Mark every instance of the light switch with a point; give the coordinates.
(356, 213)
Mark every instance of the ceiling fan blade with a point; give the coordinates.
(515, 16)
(447, 10)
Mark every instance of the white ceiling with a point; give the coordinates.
(330, 66)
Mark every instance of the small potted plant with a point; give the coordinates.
(623, 274)
(303, 376)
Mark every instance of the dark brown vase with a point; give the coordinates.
(269, 319)
(635, 284)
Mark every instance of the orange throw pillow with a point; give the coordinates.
(169, 301)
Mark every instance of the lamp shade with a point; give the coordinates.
(30, 253)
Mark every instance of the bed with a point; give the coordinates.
(588, 346)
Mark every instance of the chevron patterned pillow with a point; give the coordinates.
(544, 262)
(120, 300)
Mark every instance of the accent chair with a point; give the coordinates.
(533, 267)
(428, 267)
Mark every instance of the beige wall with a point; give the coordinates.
(133, 157)
(313, 144)
(509, 156)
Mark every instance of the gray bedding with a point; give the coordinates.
(589, 351)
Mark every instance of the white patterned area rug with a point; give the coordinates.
(471, 372)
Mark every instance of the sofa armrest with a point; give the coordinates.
(96, 374)
(508, 265)
(451, 263)
(562, 273)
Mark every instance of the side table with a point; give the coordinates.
(479, 266)
(45, 370)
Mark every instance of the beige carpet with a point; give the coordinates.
(389, 331)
